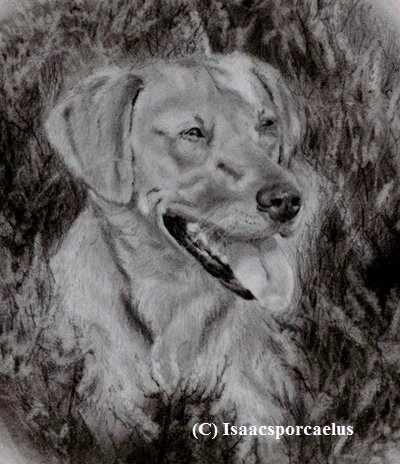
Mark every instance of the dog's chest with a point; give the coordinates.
(192, 329)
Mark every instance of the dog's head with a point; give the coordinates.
(198, 147)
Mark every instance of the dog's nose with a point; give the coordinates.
(280, 204)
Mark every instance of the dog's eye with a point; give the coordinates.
(265, 124)
(193, 134)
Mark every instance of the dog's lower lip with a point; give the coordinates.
(177, 227)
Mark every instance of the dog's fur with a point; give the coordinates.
(155, 322)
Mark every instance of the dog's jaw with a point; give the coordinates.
(188, 235)
(253, 270)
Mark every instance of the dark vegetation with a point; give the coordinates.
(342, 63)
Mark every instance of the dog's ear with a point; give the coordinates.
(90, 129)
(284, 101)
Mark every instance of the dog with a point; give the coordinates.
(179, 267)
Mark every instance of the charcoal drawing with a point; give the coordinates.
(199, 223)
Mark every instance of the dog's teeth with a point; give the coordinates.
(193, 227)
(215, 251)
(202, 238)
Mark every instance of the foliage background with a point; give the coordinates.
(342, 63)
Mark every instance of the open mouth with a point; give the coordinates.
(188, 235)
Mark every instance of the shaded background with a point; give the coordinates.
(342, 62)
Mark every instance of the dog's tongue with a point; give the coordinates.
(264, 271)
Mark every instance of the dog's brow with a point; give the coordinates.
(172, 121)
(210, 69)
(266, 88)
(266, 113)
(238, 83)
(199, 119)
(158, 131)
